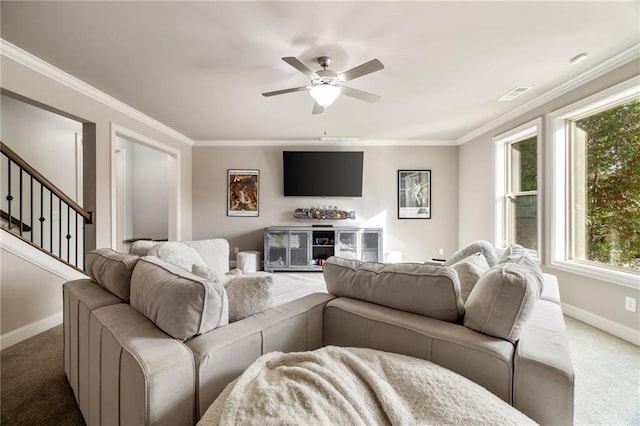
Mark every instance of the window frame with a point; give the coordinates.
(559, 196)
(502, 224)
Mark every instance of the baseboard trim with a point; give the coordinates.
(29, 330)
(622, 331)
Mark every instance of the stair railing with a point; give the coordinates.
(28, 197)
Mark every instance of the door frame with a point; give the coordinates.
(173, 180)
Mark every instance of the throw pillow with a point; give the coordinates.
(248, 296)
(178, 302)
(111, 270)
(203, 271)
(515, 253)
(469, 270)
(502, 301)
(177, 254)
(142, 247)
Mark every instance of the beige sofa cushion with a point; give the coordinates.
(214, 252)
(502, 301)
(112, 270)
(432, 291)
(178, 302)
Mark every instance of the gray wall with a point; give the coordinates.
(415, 239)
(598, 297)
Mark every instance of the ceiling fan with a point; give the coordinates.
(326, 85)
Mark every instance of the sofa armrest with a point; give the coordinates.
(79, 299)
(543, 371)
(138, 374)
(222, 354)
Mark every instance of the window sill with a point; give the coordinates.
(623, 278)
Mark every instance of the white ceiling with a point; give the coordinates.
(200, 67)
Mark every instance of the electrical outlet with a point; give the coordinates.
(441, 252)
(236, 250)
(630, 304)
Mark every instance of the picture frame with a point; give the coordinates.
(414, 194)
(243, 193)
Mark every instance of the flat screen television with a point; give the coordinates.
(322, 173)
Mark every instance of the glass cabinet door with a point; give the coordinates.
(277, 249)
(299, 249)
(369, 246)
(347, 244)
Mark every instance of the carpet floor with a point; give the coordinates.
(34, 389)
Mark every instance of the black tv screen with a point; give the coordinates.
(322, 173)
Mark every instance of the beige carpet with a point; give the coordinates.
(34, 390)
(607, 372)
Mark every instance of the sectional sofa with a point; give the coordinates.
(149, 343)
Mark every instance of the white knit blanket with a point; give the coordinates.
(352, 386)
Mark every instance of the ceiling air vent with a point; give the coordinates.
(513, 93)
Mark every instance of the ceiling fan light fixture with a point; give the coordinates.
(324, 94)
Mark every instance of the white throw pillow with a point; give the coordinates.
(203, 271)
(177, 254)
(142, 247)
(248, 296)
(515, 253)
(469, 270)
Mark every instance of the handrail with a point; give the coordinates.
(45, 182)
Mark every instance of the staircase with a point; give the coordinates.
(33, 209)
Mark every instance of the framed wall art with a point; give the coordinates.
(243, 187)
(414, 194)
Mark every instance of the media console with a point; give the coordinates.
(305, 248)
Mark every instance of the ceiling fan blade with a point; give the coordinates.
(294, 62)
(359, 94)
(282, 92)
(363, 69)
(317, 108)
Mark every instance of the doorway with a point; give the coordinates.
(145, 182)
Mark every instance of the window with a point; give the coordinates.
(517, 202)
(595, 207)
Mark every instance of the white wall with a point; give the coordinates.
(602, 301)
(415, 239)
(31, 290)
(147, 203)
(150, 193)
(45, 140)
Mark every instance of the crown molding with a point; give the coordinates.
(13, 52)
(591, 74)
(322, 143)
